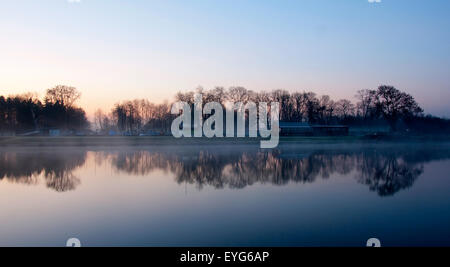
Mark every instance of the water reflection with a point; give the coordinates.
(385, 170)
(56, 168)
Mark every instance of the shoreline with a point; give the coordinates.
(107, 141)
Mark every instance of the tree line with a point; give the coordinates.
(26, 113)
(385, 105)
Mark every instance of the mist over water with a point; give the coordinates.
(226, 195)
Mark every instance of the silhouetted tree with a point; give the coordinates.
(62, 94)
(366, 105)
(345, 108)
(386, 106)
(394, 105)
(25, 113)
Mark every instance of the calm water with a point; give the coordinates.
(302, 195)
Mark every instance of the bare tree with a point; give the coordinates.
(394, 104)
(98, 119)
(237, 94)
(62, 94)
(366, 103)
(326, 108)
(345, 108)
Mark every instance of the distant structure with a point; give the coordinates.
(54, 132)
(305, 129)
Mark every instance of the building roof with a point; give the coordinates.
(329, 126)
(289, 124)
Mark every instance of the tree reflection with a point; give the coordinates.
(387, 174)
(55, 167)
(385, 171)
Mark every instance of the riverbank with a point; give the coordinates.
(75, 141)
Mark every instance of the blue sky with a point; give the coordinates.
(119, 49)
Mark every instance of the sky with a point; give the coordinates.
(113, 50)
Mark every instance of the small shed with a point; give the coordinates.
(54, 132)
